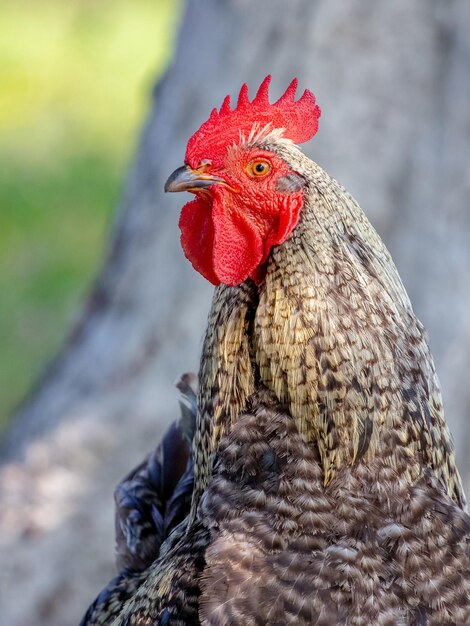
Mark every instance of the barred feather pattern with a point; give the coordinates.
(326, 489)
(169, 596)
(226, 374)
(337, 339)
(370, 548)
(272, 545)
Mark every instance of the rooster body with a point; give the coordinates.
(325, 485)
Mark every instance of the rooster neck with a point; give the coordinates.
(226, 374)
(330, 331)
(337, 341)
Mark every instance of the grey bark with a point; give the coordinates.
(393, 81)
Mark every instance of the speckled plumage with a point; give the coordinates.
(326, 490)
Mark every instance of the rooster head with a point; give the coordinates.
(248, 198)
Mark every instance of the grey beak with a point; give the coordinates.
(186, 179)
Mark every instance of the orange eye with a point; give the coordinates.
(258, 168)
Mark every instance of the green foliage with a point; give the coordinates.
(75, 80)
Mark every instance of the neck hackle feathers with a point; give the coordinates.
(323, 483)
(297, 118)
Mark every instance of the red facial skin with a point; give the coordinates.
(228, 231)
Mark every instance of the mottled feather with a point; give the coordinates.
(325, 484)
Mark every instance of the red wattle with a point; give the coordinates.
(238, 246)
(225, 244)
(197, 237)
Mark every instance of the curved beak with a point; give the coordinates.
(186, 179)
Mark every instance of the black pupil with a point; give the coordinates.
(260, 167)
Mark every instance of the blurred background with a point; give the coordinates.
(100, 312)
(75, 83)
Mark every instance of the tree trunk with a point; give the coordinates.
(392, 79)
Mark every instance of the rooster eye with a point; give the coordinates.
(258, 168)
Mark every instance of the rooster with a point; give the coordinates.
(323, 482)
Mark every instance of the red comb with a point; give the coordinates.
(298, 118)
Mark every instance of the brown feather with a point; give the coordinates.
(326, 487)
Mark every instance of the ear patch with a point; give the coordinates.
(290, 183)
